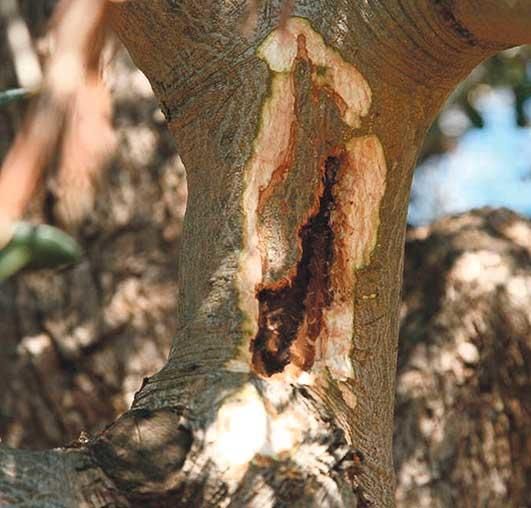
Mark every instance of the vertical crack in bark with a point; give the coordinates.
(282, 308)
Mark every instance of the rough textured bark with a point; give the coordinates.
(298, 143)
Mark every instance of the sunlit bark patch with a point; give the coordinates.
(306, 315)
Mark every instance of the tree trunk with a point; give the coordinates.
(298, 137)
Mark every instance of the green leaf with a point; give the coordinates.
(12, 259)
(37, 247)
(15, 94)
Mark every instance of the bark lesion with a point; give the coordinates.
(284, 306)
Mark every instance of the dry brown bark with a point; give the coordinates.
(299, 144)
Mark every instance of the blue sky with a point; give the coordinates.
(489, 166)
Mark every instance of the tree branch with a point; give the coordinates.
(54, 478)
(503, 22)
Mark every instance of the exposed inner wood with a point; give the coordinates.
(297, 296)
(282, 309)
(355, 220)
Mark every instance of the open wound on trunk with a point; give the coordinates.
(296, 290)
